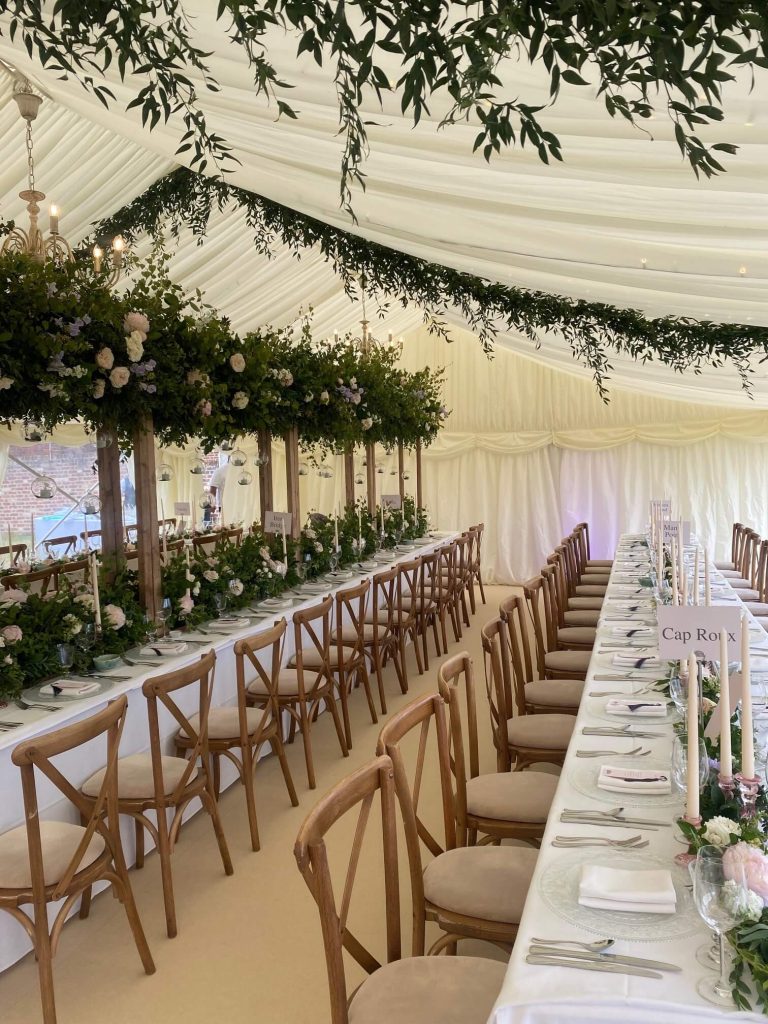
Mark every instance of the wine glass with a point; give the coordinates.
(221, 601)
(150, 628)
(301, 571)
(66, 654)
(716, 908)
(678, 691)
(333, 561)
(680, 762)
(85, 640)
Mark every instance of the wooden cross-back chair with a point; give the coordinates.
(499, 805)
(520, 739)
(525, 684)
(568, 616)
(759, 608)
(16, 553)
(476, 554)
(80, 567)
(408, 586)
(381, 639)
(463, 574)
(43, 862)
(745, 585)
(69, 542)
(582, 532)
(468, 891)
(427, 607)
(416, 989)
(158, 783)
(46, 578)
(90, 535)
(731, 567)
(449, 597)
(246, 729)
(302, 687)
(564, 637)
(553, 663)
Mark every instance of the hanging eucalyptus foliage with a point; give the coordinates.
(593, 330)
(641, 56)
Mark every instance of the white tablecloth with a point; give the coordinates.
(79, 764)
(554, 995)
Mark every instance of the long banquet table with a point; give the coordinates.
(557, 995)
(78, 765)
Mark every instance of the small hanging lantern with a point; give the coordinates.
(303, 469)
(164, 473)
(325, 472)
(260, 460)
(206, 500)
(238, 458)
(33, 431)
(90, 505)
(226, 446)
(245, 478)
(43, 487)
(197, 467)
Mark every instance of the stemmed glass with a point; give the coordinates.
(85, 640)
(66, 654)
(678, 691)
(333, 561)
(716, 909)
(301, 571)
(164, 614)
(680, 762)
(221, 601)
(150, 628)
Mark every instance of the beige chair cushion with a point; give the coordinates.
(601, 563)
(733, 573)
(429, 990)
(311, 659)
(512, 796)
(287, 683)
(134, 777)
(739, 583)
(748, 594)
(59, 841)
(546, 732)
(561, 693)
(575, 662)
(224, 723)
(594, 579)
(757, 607)
(349, 634)
(382, 615)
(591, 603)
(725, 566)
(584, 590)
(582, 617)
(489, 882)
(581, 635)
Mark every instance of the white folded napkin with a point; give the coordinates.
(639, 892)
(637, 707)
(633, 780)
(636, 661)
(164, 650)
(70, 687)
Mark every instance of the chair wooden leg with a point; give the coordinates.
(139, 828)
(292, 729)
(480, 584)
(471, 589)
(417, 649)
(125, 893)
(304, 727)
(44, 964)
(216, 761)
(278, 749)
(436, 635)
(344, 697)
(85, 902)
(362, 674)
(422, 635)
(464, 609)
(443, 629)
(212, 807)
(376, 655)
(250, 797)
(164, 852)
(333, 708)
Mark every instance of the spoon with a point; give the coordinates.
(591, 947)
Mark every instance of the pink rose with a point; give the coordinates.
(12, 634)
(13, 596)
(135, 322)
(204, 408)
(186, 604)
(237, 362)
(119, 377)
(105, 358)
(743, 857)
(115, 616)
(98, 388)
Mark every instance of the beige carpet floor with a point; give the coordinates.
(249, 948)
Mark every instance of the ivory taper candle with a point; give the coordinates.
(707, 585)
(674, 572)
(726, 765)
(692, 767)
(747, 736)
(696, 576)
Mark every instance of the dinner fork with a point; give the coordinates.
(635, 752)
(633, 843)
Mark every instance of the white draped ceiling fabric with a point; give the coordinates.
(529, 447)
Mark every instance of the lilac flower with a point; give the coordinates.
(149, 388)
(52, 289)
(86, 320)
(74, 327)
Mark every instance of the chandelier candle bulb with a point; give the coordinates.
(98, 255)
(692, 723)
(747, 736)
(726, 765)
(53, 223)
(118, 245)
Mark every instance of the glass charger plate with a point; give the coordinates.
(559, 888)
(583, 777)
(32, 695)
(596, 708)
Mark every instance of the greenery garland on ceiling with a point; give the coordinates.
(641, 56)
(591, 329)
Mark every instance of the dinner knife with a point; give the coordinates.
(613, 958)
(597, 820)
(588, 965)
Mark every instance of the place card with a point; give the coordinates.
(391, 501)
(673, 530)
(696, 628)
(277, 522)
(182, 508)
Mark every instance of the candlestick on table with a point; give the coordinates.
(726, 761)
(747, 737)
(674, 572)
(32, 542)
(336, 532)
(10, 546)
(194, 516)
(659, 561)
(285, 544)
(696, 576)
(692, 724)
(165, 539)
(382, 515)
(85, 534)
(707, 587)
(95, 587)
(685, 582)
(359, 530)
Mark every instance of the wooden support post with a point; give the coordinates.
(349, 476)
(401, 471)
(292, 479)
(266, 494)
(370, 473)
(419, 492)
(150, 582)
(112, 534)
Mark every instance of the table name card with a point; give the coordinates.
(661, 506)
(693, 628)
(182, 508)
(277, 522)
(391, 501)
(673, 530)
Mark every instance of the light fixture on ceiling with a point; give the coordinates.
(644, 263)
(742, 271)
(366, 341)
(54, 247)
